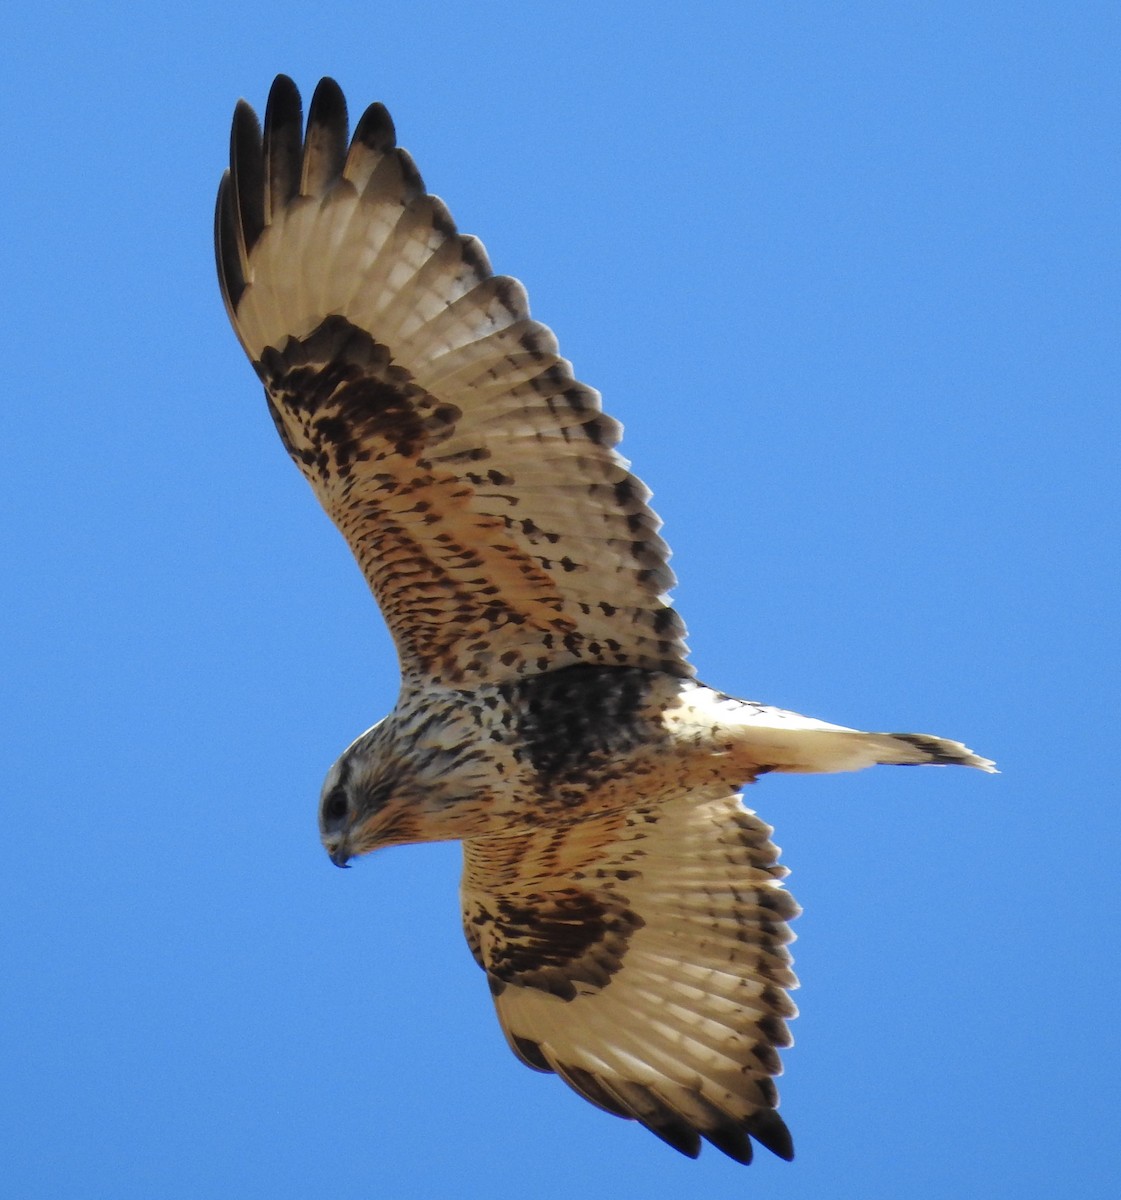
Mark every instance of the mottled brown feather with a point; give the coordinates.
(503, 535)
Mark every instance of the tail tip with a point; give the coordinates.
(943, 752)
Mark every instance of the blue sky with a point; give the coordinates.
(848, 274)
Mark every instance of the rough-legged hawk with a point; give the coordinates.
(627, 909)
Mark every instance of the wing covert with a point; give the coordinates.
(474, 478)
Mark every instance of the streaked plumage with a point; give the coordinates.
(625, 906)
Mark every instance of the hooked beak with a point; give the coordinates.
(340, 856)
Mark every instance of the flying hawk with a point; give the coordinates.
(626, 907)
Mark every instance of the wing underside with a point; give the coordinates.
(642, 957)
(474, 478)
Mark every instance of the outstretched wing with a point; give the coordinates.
(642, 957)
(474, 479)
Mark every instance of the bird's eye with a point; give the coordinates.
(335, 806)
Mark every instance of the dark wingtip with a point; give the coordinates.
(246, 127)
(325, 140)
(283, 89)
(231, 278)
(247, 171)
(328, 104)
(375, 129)
(731, 1140)
(769, 1129)
(411, 177)
(682, 1137)
(283, 143)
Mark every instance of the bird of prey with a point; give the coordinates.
(627, 909)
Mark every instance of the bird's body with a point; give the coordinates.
(625, 906)
(578, 742)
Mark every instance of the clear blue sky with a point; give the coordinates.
(848, 274)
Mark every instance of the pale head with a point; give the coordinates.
(411, 778)
(363, 796)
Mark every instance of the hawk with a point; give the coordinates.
(627, 909)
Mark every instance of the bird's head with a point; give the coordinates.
(408, 779)
(368, 799)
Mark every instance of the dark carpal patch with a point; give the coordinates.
(338, 398)
(572, 721)
(553, 942)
